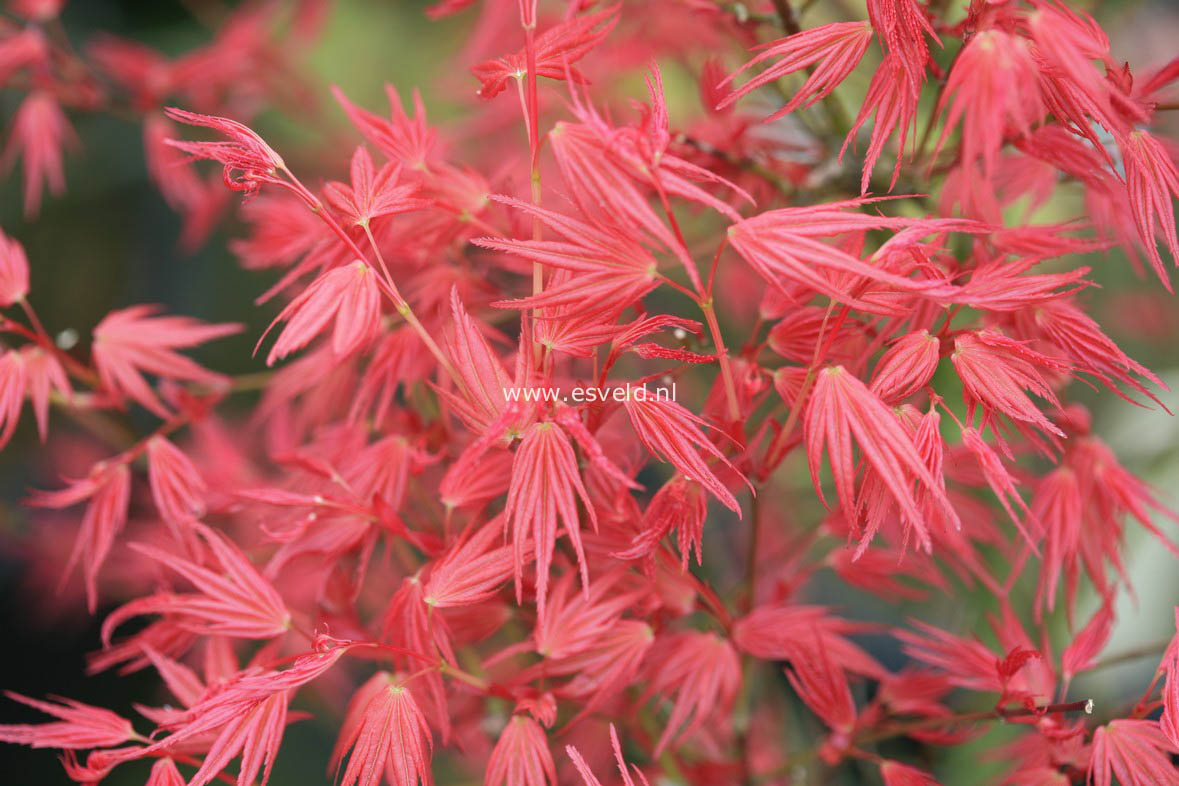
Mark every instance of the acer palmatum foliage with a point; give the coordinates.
(423, 531)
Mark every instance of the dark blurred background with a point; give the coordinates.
(111, 242)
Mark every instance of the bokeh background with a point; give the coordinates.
(111, 242)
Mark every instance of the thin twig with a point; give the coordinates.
(999, 713)
(786, 17)
(923, 724)
(1155, 649)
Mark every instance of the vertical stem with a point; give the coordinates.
(754, 552)
(786, 17)
(532, 120)
(686, 258)
(722, 354)
(704, 299)
(533, 110)
(749, 665)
